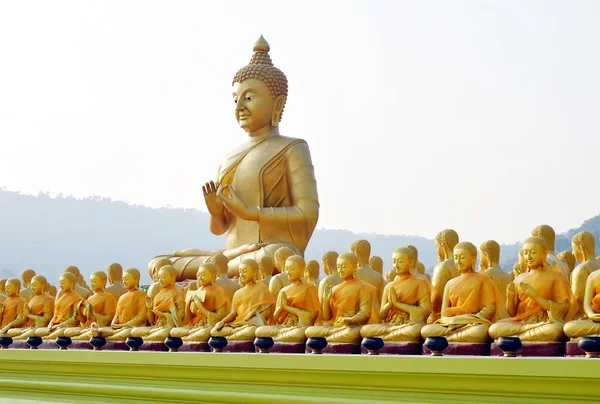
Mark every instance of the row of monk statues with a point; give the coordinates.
(544, 299)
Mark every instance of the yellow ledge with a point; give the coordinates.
(100, 377)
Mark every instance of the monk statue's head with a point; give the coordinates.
(2, 286)
(312, 270)
(67, 281)
(159, 264)
(490, 254)
(207, 273)
(415, 252)
(131, 279)
(259, 92)
(115, 273)
(445, 241)
(420, 268)
(362, 250)
(584, 246)
(390, 275)
(220, 262)
(295, 267)
(38, 285)
(26, 277)
(73, 270)
(403, 260)
(167, 276)
(547, 233)
(98, 281)
(465, 256)
(347, 264)
(568, 258)
(13, 287)
(248, 271)
(535, 252)
(267, 266)
(281, 255)
(376, 263)
(329, 260)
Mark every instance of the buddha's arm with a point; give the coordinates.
(445, 299)
(386, 306)
(326, 308)
(18, 321)
(187, 317)
(438, 283)
(71, 320)
(512, 299)
(365, 304)
(578, 283)
(231, 316)
(487, 312)
(418, 311)
(589, 296)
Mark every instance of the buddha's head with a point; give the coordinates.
(584, 246)
(403, 260)
(52, 291)
(281, 255)
(81, 281)
(568, 258)
(259, 92)
(329, 260)
(220, 262)
(2, 286)
(490, 254)
(347, 264)
(547, 233)
(294, 268)
(420, 268)
(415, 253)
(98, 281)
(266, 266)
(73, 270)
(445, 241)
(131, 279)
(376, 263)
(362, 250)
(66, 282)
(13, 287)
(312, 270)
(207, 273)
(248, 271)
(38, 285)
(167, 276)
(26, 277)
(159, 264)
(535, 251)
(115, 273)
(465, 256)
(390, 275)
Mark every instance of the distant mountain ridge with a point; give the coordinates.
(49, 234)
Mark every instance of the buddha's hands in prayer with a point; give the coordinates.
(393, 297)
(213, 203)
(235, 205)
(283, 300)
(529, 290)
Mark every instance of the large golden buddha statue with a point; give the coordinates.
(538, 301)
(265, 196)
(584, 250)
(490, 264)
(444, 270)
(470, 304)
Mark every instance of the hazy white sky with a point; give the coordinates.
(482, 116)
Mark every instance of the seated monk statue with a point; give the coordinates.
(115, 278)
(99, 308)
(130, 312)
(280, 280)
(489, 264)
(297, 306)
(445, 241)
(547, 233)
(166, 310)
(329, 261)
(349, 305)
(267, 266)
(568, 258)
(249, 201)
(12, 309)
(471, 302)
(590, 325)
(362, 250)
(311, 273)
(229, 285)
(26, 277)
(205, 308)
(252, 307)
(538, 301)
(81, 291)
(406, 303)
(156, 286)
(66, 309)
(584, 250)
(415, 270)
(37, 312)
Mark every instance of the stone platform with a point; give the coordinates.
(542, 349)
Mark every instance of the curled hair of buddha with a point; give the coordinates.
(546, 232)
(348, 257)
(376, 263)
(447, 238)
(492, 249)
(14, 281)
(568, 258)
(465, 245)
(406, 251)
(329, 260)
(537, 240)
(210, 267)
(281, 255)
(261, 68)
(313, 268)
(584, 240)
(100, 274)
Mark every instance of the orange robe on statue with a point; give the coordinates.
(103, 303)
(214, 299)
(38, 305)
(63, 306)
(167, 297)
(250, 297)
(13, 306)
(304, 296)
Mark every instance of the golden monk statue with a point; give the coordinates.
(130, 313)
(38, 311)
(229, 285)
(166, 310)
(66, 308)
(349, 305)
(12, 310)
(390, 276)
(115, 278)
(445, 241)
(26, 277)
(252, 307)
(156, 285)
(547, 233)
(362, 250)
(205, 308)
(297, 306)
(267, 266)
(470, 303)
(280, 280)
(406, 303)
(490, 265)
(590, 325)
(329, 260)
(418, 270)
(311, 273)
(568, 258)
(538, 301)
(81, 291)
(249, 201)
(584, 250)
(376, 263)
(99, 308)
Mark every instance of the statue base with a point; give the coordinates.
(289, 347)
(398, 348)
(339, 349)
(535, 349)
(153, 346)
(240, 346)
(571, 349)
(464, 349)
(192, 346)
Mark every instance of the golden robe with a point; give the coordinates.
(249, 297)
(13, 306)
(347, 298)
(64, 305)
(409, 290)
(103, 303)
(130, 305)
(303, 296)
(163, 301)
(38, 305)
(214, 299)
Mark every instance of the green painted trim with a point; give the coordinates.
(108, 376)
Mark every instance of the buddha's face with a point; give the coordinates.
(204, 277)
(402, 263)
(12, 289)
(577, 252)
(534, 255)
(345, 268)
(254, 104)
(294, 270)
(65, 284)
(165, 278)
(96, 283)
(464, 259)
(129, 281)
(247, 274)
(37, 287)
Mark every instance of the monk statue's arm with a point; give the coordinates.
(44, 319)
(487, 312)
(230, 317)
(445, 299)
(545, 303)
(512, 299)
(150, 315)
(305, 317)
(588, 297)
(17, 322)
(326, 303)
(71, 321)
(438, 281)
(386, 304)
(365, 305)
(578, 284)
